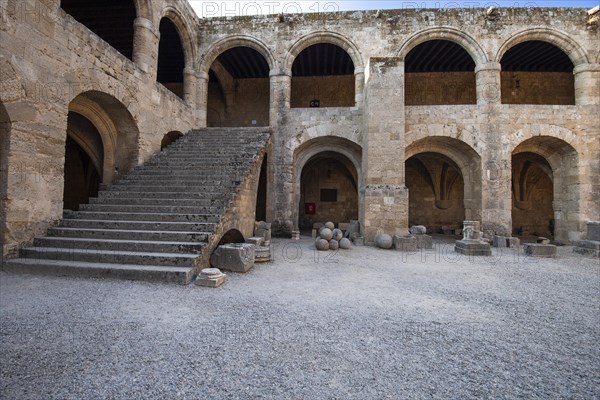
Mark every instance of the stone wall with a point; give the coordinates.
(538, 88)
(331, 91)
(434, 88)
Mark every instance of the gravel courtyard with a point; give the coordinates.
(359, 324)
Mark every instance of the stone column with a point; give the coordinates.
(587, 84)
(190, 79)
(145, 46)
(280, 188)
(359, 86)
(489, 83)
(385, 195)
(201, 103)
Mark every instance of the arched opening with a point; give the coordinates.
(115, 126)
(328, 190)
(232, 236)
(111, 20)
(261, 193)
(537, 72)
(171, 58)
(169, 139)
(437, 169)
(323, 76)
(4, 151)
(439, 72)
(239, 89)
(436, 192)
(533, 195)
(84, 157)
(545, 186)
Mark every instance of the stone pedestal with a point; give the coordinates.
(471, 244)
(210, 277)
(591, 246)
(236, 257)
(263, 229)
(540, 250)
(405, 243)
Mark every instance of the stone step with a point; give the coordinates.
(120, 245)
(129, 234)
(146, 216)
(164, 188)
(176, 183)
(133, 194)
(139, 225)
(110, 256)
(184, 173)
(178, 178)
(166, 209)
(203, 204)
(152, 273)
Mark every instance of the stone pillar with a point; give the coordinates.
(190, 80)
(489, 83)
(587, 84)
(385, 208)
(145, 46)
(359, 86)
(281, 209)
(201, 103)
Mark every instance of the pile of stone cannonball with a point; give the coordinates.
(330, 238)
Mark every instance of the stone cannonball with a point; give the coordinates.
(329, 225)
(383, 241)
(337, 234)
(322, 245)
(326, 234)
(333, 244)
(345, 244)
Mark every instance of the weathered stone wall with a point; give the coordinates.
(331, 91)
(433, 88)
(248, 104)
(538, 88)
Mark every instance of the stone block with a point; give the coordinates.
(314, 233)
(256, 240)
(236, 257)
(543, 240)
(539, 250)
(587, 247)
(473, 248)
(263, 229)
(210, 277)
(513, 242)
(593, 231)
(405, 243)
(424, 242)
(500, 241)
(353, 227)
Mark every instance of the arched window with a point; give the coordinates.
(439, 72)
(171, 58)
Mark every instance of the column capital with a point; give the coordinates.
(489, 66)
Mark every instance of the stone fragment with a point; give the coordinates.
(384, 241)
(314, 233)
(295, 235)
(322, 244)
(418, 230)
(334, 244)
(318, 226)
(513, 242)
(593, 231)
(424, 242)
(263, 254)
(256, 240)
(329, 225)
(543, 240)
(539, 250)
(353, 227)
(236, 257)
(326, 234)
(343, 226)
(263, 229)
(500, 241)
(210, 277)
(405, 243)
(337, 234)
(345, 244)
(402, 232)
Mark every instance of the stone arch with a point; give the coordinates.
(351, 151)
(209, 57)
(446, 33)
(560, 39)
(465, 158)
(323, 37)
(232, 236)
(563, 160)
(117, 128)
(169, 139)
(186, 34)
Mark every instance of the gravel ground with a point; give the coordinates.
(359, 324)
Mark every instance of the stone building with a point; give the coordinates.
(393, 118)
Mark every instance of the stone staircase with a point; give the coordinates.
(156, 222)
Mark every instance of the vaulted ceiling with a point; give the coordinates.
(536, 56)
(438, 56)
